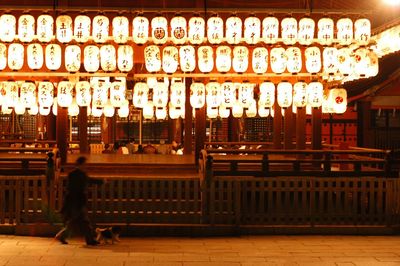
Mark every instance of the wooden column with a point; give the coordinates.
(187, 143)
(364, 132)
(288, 132)
(171, 130)
(107, 129)
(301, 128)
(277, 139)
(233, 129)
(200, 132)
(51, 127)
(83, 132)
(316, 123)
(62, 132)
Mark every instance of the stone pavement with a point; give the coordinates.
(184, 251)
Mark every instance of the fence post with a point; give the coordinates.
(265, 164)
(388, 163)
(206, 190)
(327, 162)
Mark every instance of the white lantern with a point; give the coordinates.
(28, 94)
(223, 59)
(313, 60)
(187, 58)
(140, 32)
(362, 31)
(177, 97)
(108, 58)
(215, 30)
(159, 30)
(120, 29)
(252, 110)
(8, 26)
(373, 67)
(55, 106)
(197, 95)
(64, 28)
(294, 63)
(300, 94)
(53, 56)
(252, 28)
(43, 110)
(267, 94)
(306, 31)
(148, 110)
(3, 56)
(6, 110)
(125, 58)
(108, 109)
(233, 33)
(315, 92)
(64, 93)
(240, 61)
(170, 59)
(361, 60)
(330, 60)
(325, 31)
(344, 31)
(33, 110)
(15, 56)
(44, 28)
(178, 30)
(326, 106)
(123, 111)
(100, 28)
(45, 94)
(260, 60)
(223, 112)
(72, 58)
(82, 28)
(19, 108)
(96, 111)
(196, 31)
(100, 92)
(246, 94)
(152, 58)
(161, 113)
(284, 94)
(205, 59)
(213, 94)
(270, 30)
(91, 59)
(140, 95)
(26, 28)
(212, 112)
(11, 94)
(73, 109)
(289, 30)
(338, 100)
(117, 92)
(345, 61)
(278, 60)
(228, 90)
(263, 111)
(237, 110)
(160, 94)
(35, 56)
(83, 94)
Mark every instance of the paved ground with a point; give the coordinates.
(246, 250)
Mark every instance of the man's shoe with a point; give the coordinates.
(93, 243)
(62, 240)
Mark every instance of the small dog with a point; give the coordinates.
(108, 233)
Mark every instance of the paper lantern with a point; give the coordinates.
(125, 58)
(19, 108)
(252, 110)
(289, 30)
(294, 63)
(213, 94)
(33, 110)
(108, 58)
(252, 28)
(263, 111)
(6, 110)
(284, 94)
(212, 112)
(362, 61)
(64, 28)
(26, 28)
(160, 94)
(11, 94)
(91, 59)
(35, 56)
(15, 56)
(45, 94)
(53, 56)
(228, 90)
(300, 94)
(178, 30)
(108, 109)
(326, 103)
(205, 59)
(161, 113)
(43, 110)
(267, 94)
(140, 32)
(313, 60)
(373, 67)
(159, 30)
(44, 28)
(120, 29)
(330, 60)
(96, 111)
(2, 91)
(278, 60)
(170, 59)
(100, 92)
(223, 59)
(83, 94)
(240, 60)
(82, 28)
(259, 60)
(223, 112)
(148, 110)
(196, 31)
(140, 94)
(117, 92)
(315, 92)
(64, 93)
(197, 95)
(187, 58)
(270, 30)
(345, 61)
(246, 94)
(344, 31)
(233, 33)
(338, 98)
(73, 109)
(325, 31)
(362, 31)
(177, 96)
(123, 111)
(72, 58)
(100, 29)
(152, 58)
(237, 110)
(8, 26)
(28, 94)
(55, 107)
(306, 31)
(215, 30)
(3, 56)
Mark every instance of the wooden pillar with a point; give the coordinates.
(83, 133)
(188, 120)
(316, 122)
(171, 130)
(301, 129)
(62, 133)
(108, 129)
(233, 129)
(288, 129)
(364, 132)
(200, 132)
(51, 125)
(277, 138)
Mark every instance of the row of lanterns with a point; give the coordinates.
(388, 41)
(252, 30)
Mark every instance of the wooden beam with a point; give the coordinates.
(200, 131)
(83, 133)
(288, 132)
(277, 124)
(316, 122)
(188, 120)
(62, 132)
(301, 129)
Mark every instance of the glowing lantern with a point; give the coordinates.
(177, 97)
(11, 94)
(100, 29)
(289, 30)
(8, 26)
(64, 93)
(82, 28)
(15, 56)
(148, 110)
(223, 59)
(6, 110)
(26, 28)
(240, 61)
(125, 58)
(108, 58)
(44, 110)
(45, 94)
(213, 96)
(96, 111)
(228, 90)
(362, 31)
(83, 95)
(215, 30)
(252, 110)
(55, 106)
(338, 100)
(159, 30)
(19, 108)
(35, 56)
(160, 94)
(91, 59)
(152, 58)
(161, 113)
(325, 31)
(197, 95)
(330, 60)
(53, 56)
(284, 94)
(72, 58)
(246, 94)
(64, 28)
(108, 109)
(278, 60)
(170, 59)
(3, 56)
(196, 30)
(315, 92)
(260, 60)
(223, 112)
(33, 110)
(294, 63)
(100, 92)
(361, 60)
(212, 112)
(345, 61)
(373, 67)
(326, 103)
(252, 27)
(344, 31)
(300, 94)
(28, 94)
(233, 32)
(178, 30)
(140, 94)
(187, 58)
(120, 29)
(306, 31)
(262, 111)
(237, 110)
(123, 111)
(267, 94)
(313, 60)
(140, 32)
(205, 59)
(270, 30)
(44, 28)
(117, 92)
(73, 109)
